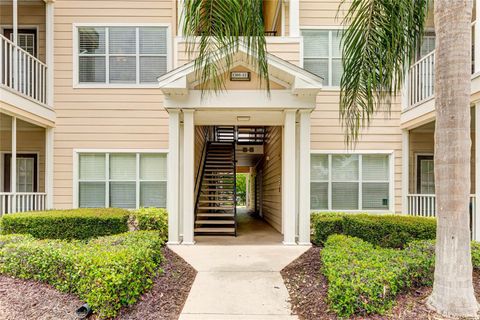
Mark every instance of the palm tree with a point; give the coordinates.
(214, 30)
(378, 46)
(379, 43)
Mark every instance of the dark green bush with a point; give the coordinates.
(152, 219)
(67, 224)
(364, 279)
(390, 231)
(107, 273)
(324, 226)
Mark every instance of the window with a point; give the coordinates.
(427, 45)
(27, 172)
(323, 55)
(350, 182)
(425, 174)
(122, 180)
(121, 55)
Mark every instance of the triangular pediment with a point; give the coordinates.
(283, 76)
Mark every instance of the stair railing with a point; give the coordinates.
(201, 170)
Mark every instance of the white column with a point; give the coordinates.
(476, 218)
(180, 4)
(13, 166)
(304, 179)
(49, 135)
(173, 176)
(288, 181)
(49, 56)
(477, 37)
(294, 18)
(188, 177)
(15, 40)
(405, 169)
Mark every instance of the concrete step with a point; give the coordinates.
(215, 222)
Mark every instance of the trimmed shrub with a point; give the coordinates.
(152, 219)
(389, 231)
(67, 224)
(364, 279)
(107, 273)
(324, 226)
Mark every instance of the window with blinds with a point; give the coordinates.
(350, 182)
(322, 54)
(121, 55)
(122, 180)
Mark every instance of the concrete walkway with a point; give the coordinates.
(238, 281)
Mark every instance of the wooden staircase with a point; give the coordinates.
(215, 210)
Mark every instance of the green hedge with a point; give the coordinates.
(152, 219)
(364, 279)
(390, 231)
(108, 272)
(67, 224)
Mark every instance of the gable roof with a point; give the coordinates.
(301, 82)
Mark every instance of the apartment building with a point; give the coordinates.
(100, 106)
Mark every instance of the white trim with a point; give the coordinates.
(75, 56)
(49, 51)
(288, 178)
(391, 177)
(49, 166)
(107, 180)
(304, 179)
(352, 151)
(476, 235)
(405, 168)
(415, 168)
(188, 177)
(23, 102)
(173, 179)
(13, 162)
(2, 155)
(294, 18)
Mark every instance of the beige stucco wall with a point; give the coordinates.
(102, 118)
(29, 15)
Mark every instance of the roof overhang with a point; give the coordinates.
(301, 86)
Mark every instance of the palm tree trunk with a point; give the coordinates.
(453, 290)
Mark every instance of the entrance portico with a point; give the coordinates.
(288, 105)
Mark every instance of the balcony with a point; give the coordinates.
(419, 91)
(22, 72)
(26, 60)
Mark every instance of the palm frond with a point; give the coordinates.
(214, 30)
(378, 45)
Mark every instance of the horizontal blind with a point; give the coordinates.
(153, 194)
(153, 167)
(92, 194)
(316, 43)
(319, 195)
(345, 195)
(92, 166)
(151, 68)
(375, 195)
(319, 167)
(375, 167)
(122, 69)
(122, 166)
(91, 40)
(123, 195)
(122, 40)
(92, 69)
(344, 167)
(153, 40)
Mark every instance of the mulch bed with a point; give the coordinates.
(308, 289)
(22, 300)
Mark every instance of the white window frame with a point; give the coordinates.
(326, 86)
(107, 180)
(75, 55)
(391, 177)
(415, 179)
(28, 27)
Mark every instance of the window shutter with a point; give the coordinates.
(92, 166)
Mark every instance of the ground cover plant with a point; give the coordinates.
(87, 252)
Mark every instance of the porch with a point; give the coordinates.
(26, 161)
(418, 173)
(26, 58)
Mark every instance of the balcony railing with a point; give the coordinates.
(22, 72)
(421, 80)
(424, 205)
(22, 202)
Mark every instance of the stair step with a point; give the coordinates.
(217, 195)
(215, 230)
(216, 208)
(215, 215)
(217, 201)
(217, 184)
(215, 222)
